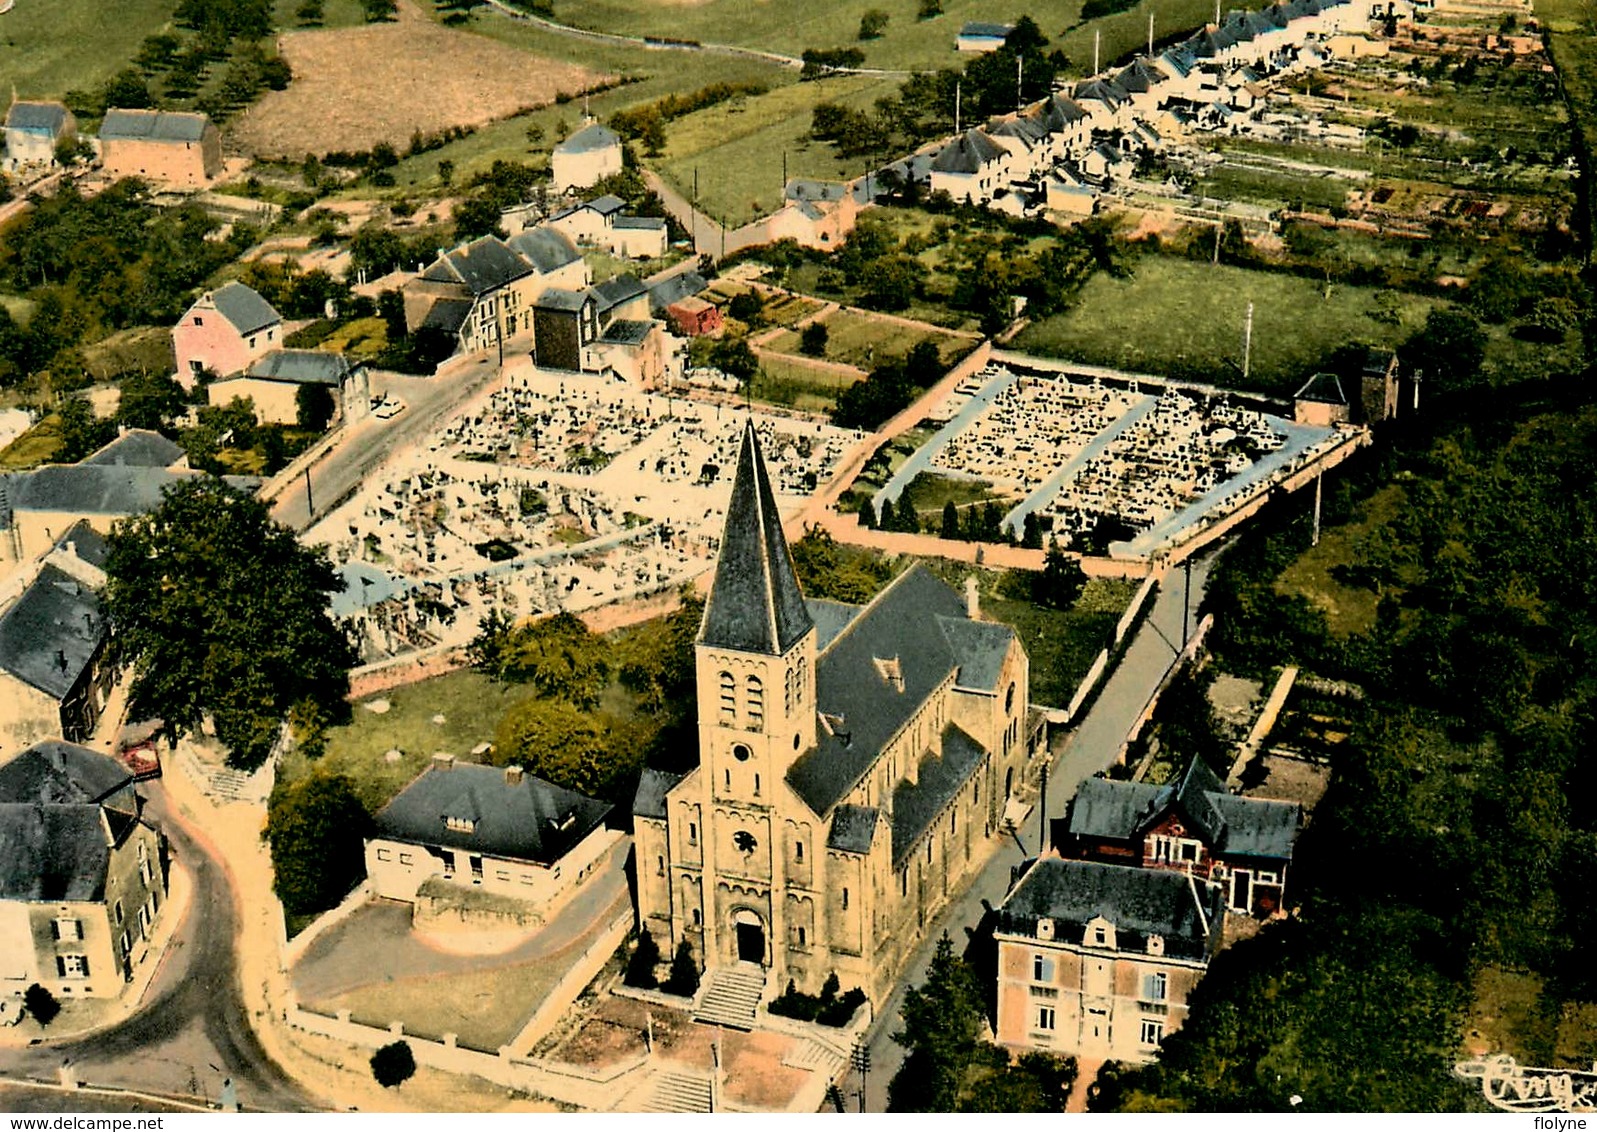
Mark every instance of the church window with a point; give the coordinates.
(787, 693)
(659, 866)
(727, 778)
(756, 692)
(745, 842)
(903, 883)
(1009, 701)
(693, 833)
(798, 850)
(845, 900)
(729, 706)
(803, 940)
(741, 752)
(697, 918)
(756, 786)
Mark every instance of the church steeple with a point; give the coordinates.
(755, 604)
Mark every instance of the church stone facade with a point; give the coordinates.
(851, 761)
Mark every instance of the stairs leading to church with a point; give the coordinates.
(672, 1091)
(816, 1056)
(730, 996)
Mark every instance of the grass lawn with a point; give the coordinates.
(48, 47)
(931, 490)
(33, 447)
(876, 473)
(859, 340)
(1184, 319)
(1348, 609)
(604, 266)
(139, 347)
(796, 385)
(1277, 189)
(738, 147)
(470, 703)
(361, 337)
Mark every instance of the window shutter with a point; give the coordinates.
(60, 966)
(55, 929)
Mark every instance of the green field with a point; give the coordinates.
(860, 340)
(796, 385)
(1184, 319)
(48, 47)
(33, 447)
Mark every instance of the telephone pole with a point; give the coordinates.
(1042, 813)
(861, 1060)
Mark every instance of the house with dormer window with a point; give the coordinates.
(499, 830)
(1192, 825)
(1101, 960)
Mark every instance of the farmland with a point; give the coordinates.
(48, 47)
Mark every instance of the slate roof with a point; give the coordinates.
(546, 249)
(607, 205)
(87, 543)
(51, 632)
(1376, 362)
(831, 618)
(1138, 902)
(60, 773)
(653, 786)
(674, 289)
(755, 604)
(560, 299)
(589, 139)
(937, 780)
(154, 125)
(1027, 130)
(89, 489)
(802, 188)
(1228, 824)
(1108, 92)
(243, 306)
(626, 332)
(639, 223)
(484, 265)
(1325, 388)
(901, 623)
(967, 153)
(136, 448)
(977, 29)
(447, 314)
(52, 853)
(613, 292)
(979, 650)
(301, 367)
(853, 829)
(1063, 111)
(37, 117)
(532, 820)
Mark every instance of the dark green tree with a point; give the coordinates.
(313, 407)
(559, 656)
(950, 528)
(40, 1004)
(150, 400)
(562, 744)
(393, 1064)
(1031, 532)
(222, 612)
(812, 339)
(644, 959)
(684, 977)
(315, 828)
(873, 24)
(734, 357)
(1061, 581)
(1449, 350)
(82, 433)
(942, 1025)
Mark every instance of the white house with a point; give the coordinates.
(587, 156)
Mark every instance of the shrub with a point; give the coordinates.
(640, 967)
(393, 1064)
(812, 339)
(827, 1008)
(684, 977)
(41, 1004)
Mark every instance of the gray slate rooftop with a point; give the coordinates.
(301, 367)
(136, 448)
(52, 853)
(37, 117)
(545, 249)
(483, 265)
(967, 153)
(1138, 902)
(154, 125)
(626, 332)
(588, 139)
(531, 820)
(51, 632)
(853, 829)
(682, 285)
(938, 779)
(831, 618)
(62, 773)
(244, 307)
(653, 786)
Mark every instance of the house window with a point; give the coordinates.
(385, 854)
(1100, 937)
(146, 918)
(756, 691)
(502, 874)
(198, 321)
(1156, 945)
(697, 918)
(127, 946)
(1152, 1032)
(1045, 1018)
(1042, 969)
(461, 825)
(407, 859)
(68, 928)
(252, 342)
(1155, 987)
(72, 966)
(729, 698)
(117, 910)
(1267, 878)
(145, 874)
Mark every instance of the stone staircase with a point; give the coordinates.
(673, 1091)
(730, 996)
(816, 1056)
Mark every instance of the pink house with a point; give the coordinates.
(224, 331)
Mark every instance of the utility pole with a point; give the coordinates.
(1150, 33)
(1020, 69)
(784, 171)
(1186, 603)
(310, 508)
(1042, 813)
(1315, 541)
(861, 1059)
(1097, 38)
(1217, 229)
(956, 107)
(1247, 343)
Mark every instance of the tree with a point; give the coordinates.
(1031, 532)
(477, 216)
(559, 656)
(735, 358)
(812, 339)
(379, 11)
(313, 407)
(872, 24)
(391, 309)
(684, 977)
(561, 743)
(746, 307)
(315, 828)
(929, 9)
(150, 400)
(644, 959)
(1449, 349)
(82, 433)
(221, 611)
(393, 1064)
(446, 171)
(1061, 580)
(41, 1004)
(942, 1022)
(950, 528)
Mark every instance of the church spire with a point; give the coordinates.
(755, 604)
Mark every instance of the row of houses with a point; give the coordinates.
(175, 150)
(1060, 153)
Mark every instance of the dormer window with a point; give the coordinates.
(892, 673)
(1156, 945)
(460, 825)
(1100, 933)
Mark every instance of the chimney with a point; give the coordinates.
(512, 775)
(443, 760)
(972, 598)
(61, 658)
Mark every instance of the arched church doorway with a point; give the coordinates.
(750, 935)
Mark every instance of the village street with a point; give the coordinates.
(1090, 747)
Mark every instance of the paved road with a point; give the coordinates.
(428, 402)
(1089, 748)
(193, 1030)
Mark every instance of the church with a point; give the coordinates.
(851, 761)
